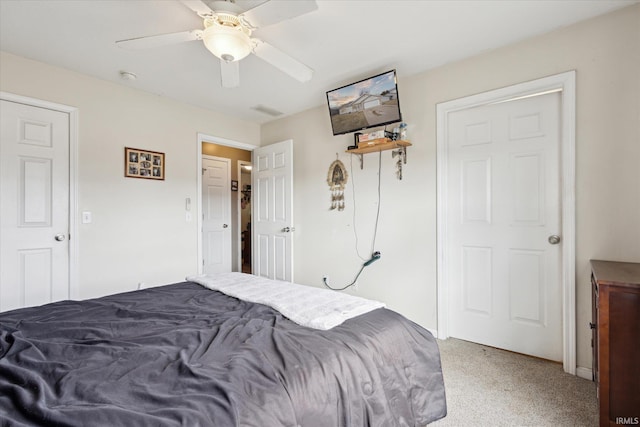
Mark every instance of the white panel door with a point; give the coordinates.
(272, 219)
(34, 204)
(216, 215)
(504, 204)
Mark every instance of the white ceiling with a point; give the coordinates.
(342, 41)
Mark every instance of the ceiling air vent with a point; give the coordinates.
(266, 110)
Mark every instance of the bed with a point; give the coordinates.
(186, 354)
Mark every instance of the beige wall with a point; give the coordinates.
(139, 232)
(604, 51)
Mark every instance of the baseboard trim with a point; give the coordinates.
(585, 373)
(434, 332)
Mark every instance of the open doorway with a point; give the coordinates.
(244, 215)
(239, 217)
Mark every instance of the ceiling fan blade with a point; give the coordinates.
(282, 61)
(230, 73)
(160, 40)
(272, 12)
(198, 7)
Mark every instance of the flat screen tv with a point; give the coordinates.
(365, 104)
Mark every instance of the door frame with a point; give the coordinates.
(74, 290)
(565, 83)
(201, 138)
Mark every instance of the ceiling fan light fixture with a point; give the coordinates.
(229, 43)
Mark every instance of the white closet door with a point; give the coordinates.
(504, 208)
(216, 215)
(34, 202)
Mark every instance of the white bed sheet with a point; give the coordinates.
(305, 305)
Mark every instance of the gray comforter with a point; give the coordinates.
(185, 355)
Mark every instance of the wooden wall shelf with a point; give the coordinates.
(381, 144)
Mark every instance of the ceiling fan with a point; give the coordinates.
(227, 34)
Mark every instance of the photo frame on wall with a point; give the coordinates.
(143, 164)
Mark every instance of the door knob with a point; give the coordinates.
(554, 239)
(288, 229)
(225, 225)
(59, 237)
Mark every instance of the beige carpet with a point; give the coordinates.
(490, 387)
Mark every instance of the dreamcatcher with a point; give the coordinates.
(337, 179)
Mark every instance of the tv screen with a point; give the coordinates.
(364, 104)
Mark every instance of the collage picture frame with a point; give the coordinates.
(143, 164)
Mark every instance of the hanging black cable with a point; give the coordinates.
(375, 228)
(375, 255)
(353, 195)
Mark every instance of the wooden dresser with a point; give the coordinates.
(616, 340)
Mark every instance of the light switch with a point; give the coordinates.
(86, 217)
